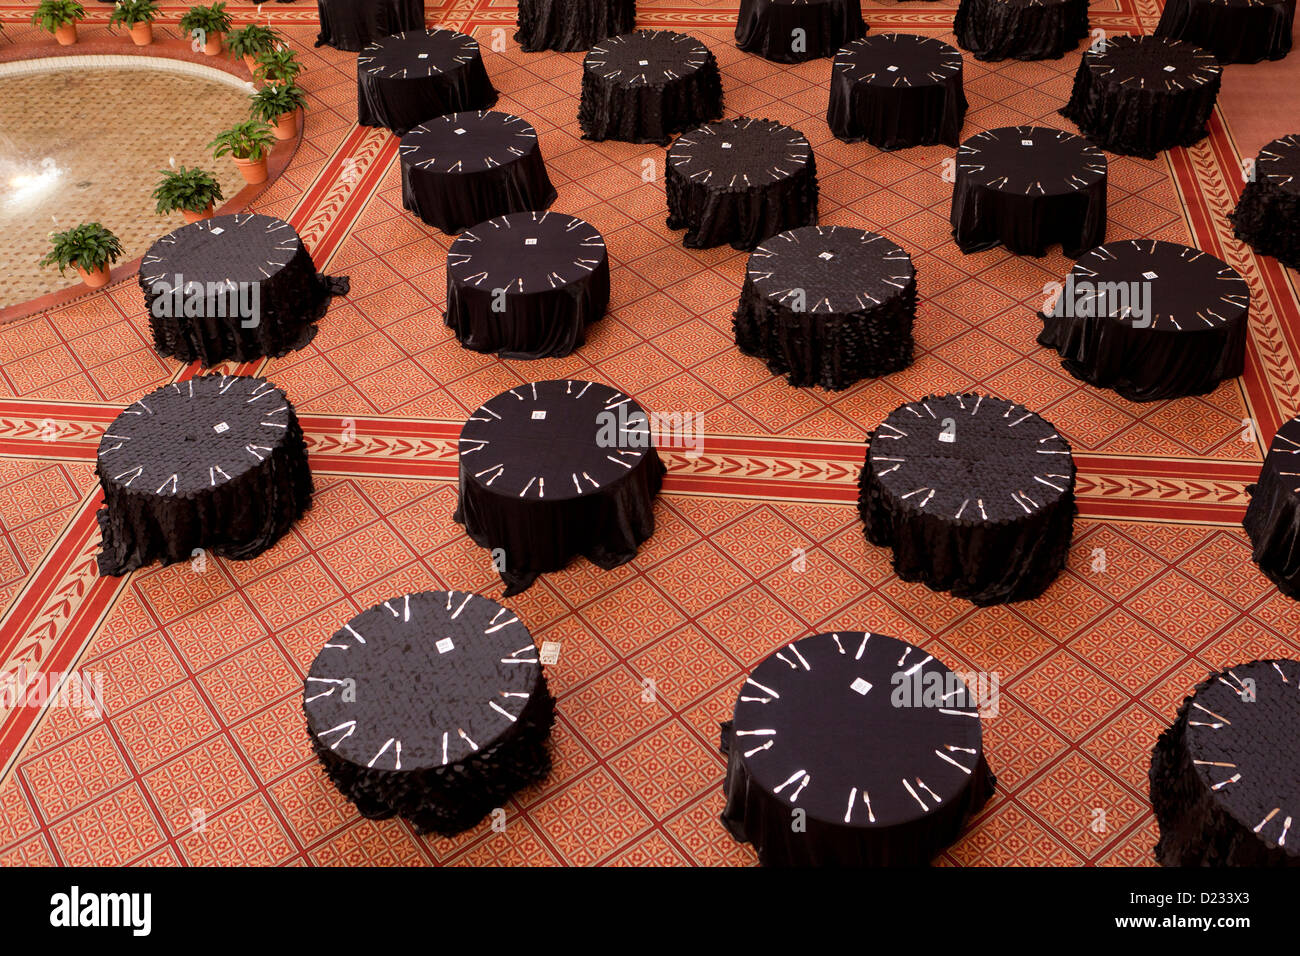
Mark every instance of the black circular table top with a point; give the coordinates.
(554, 440)
(817, 724)
(739, 154)
(834, 269)
(1001, 462)
(646, 58)
(1152, 63)
(468, 142)
(1031, 161)
(1283, 457)
(1278, 164)
(413, 54)
(1189, 289)
(526, 252)
(244, 247)
(185, 438)
(421, 681)
(899, 60)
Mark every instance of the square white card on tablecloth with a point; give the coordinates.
(444, 645)
(860, 686)
(539, 414)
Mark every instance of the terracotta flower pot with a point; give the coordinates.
(66, 34)
(192, 216)
(285, 125)
(213, 46)
(250, 61)
(253, 170)
(95, 279)
(142, 33)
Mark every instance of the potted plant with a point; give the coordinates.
(247, 143)
(206, 25)
(60, 18)
(138, 17)
(192, 192)
(278, 106)
(278, 65)
(250, 42)
(89, 248)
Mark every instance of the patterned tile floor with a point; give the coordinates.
(199, 754)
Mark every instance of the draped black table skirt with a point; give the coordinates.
(1020, 29)
(1272, 519)
(1268, 214)
(556, 469)
(1151, 320)
(215, 464)
(465, 168)
(354, 24)
(571, 25)
(828, 306)
(974, 494)
(1027, 188)
(896, 90)
(791, 31)
(806, 738)
(1235, 31)
(1225, 776)
(740, 181)
(644, 86)
(406, 79)
(233, 287)
(1139, 95)
(449, 711)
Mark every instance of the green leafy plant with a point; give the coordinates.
(52, 14)
(208, 20)
(247, 140)
(186, 189)
(271, 102)
(278, 65)
(89, 245)
(130, 12)
(251, 40)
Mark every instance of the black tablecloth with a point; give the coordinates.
(233, 287)
(896, 90)
(842, 727)
(827, 305)
(556, 469)
(1268, 214)
(526, 285)
(1235, 31)
(1151, 320)
(642, 87)
(432, 706)
(767, 27)
(1272, 520)
(1225, 777)
(1029, 187)
(987, 515)
(1138, 95)
(740, 181)
(571, 25)
(352, 24)
(464, 168)
(406, 79)
(1020, 29)
(216, 463)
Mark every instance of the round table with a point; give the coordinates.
(571, 25)
(1152, 320)
(1272, 519)
(1029, 187)
(828, 305)
(644, 86)
(740, 181)
(791, 31)
(414, 76)
(233, 287)
(1268, 214)
(975, 495)
(1235, 31)
(1225, 777)
(212, 464)
(1138, 95)
(555, 469)
(871, 743)
(464, 168)
(896, 90)
(526, 285)
(352, 24)
(432, 706)
(1020, 29)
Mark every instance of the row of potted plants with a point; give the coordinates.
(207, 26)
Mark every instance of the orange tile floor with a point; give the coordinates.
(199, 753)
